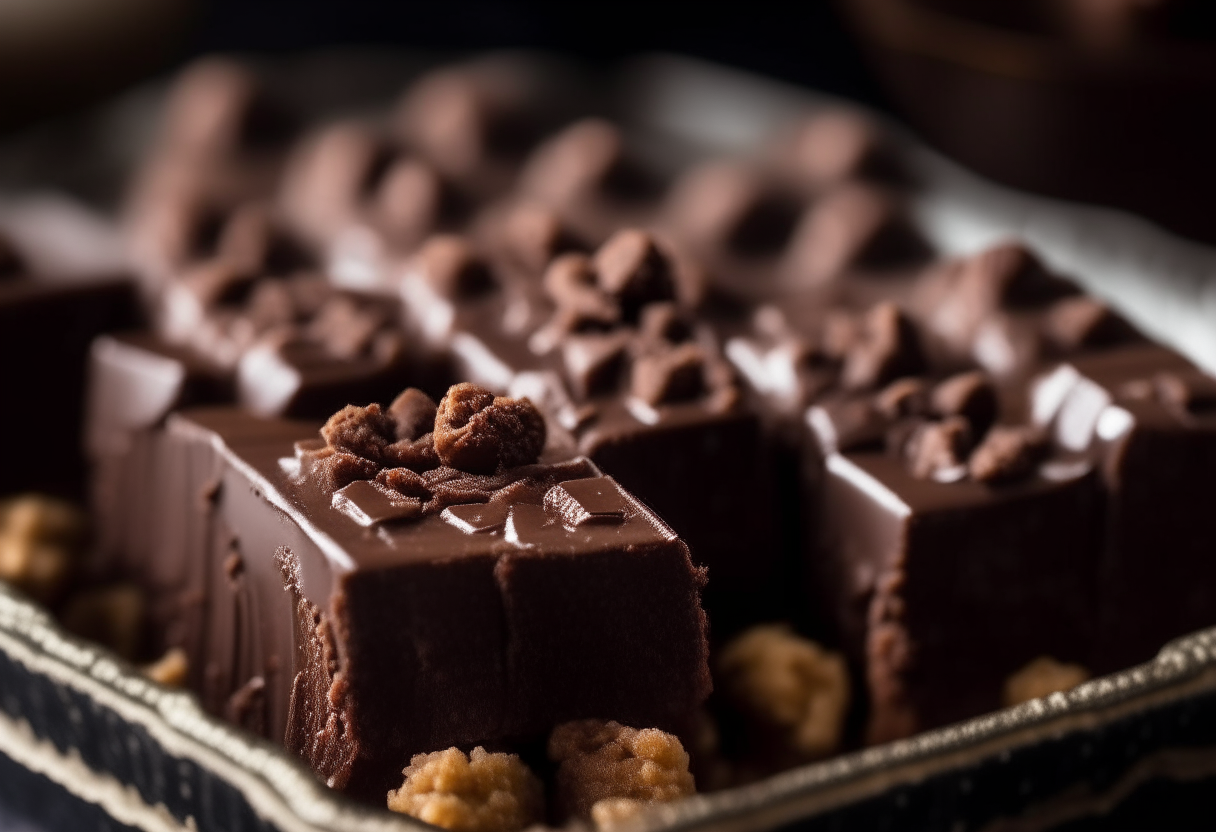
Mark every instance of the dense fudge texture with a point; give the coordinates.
(560, 598)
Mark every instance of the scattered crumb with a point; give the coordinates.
(1042, 677)
(787, 686)
(40, 539)
(482, 792)
(614, 811)
(602, 761)
(170, 669)
(478, 432)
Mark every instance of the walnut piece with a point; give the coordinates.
(787, 687)
(478, 432)
(40, 539)
(599, 761)
(482, 792)
(170, 669)
(1042, 677)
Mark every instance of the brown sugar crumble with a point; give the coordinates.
(481, 792)
(602, 761)
(1042, 677)
(788, 688)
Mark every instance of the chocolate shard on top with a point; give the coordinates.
(594, 500)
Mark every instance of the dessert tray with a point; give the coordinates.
(87, 741)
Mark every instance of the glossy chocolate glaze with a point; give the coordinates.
(442, 630)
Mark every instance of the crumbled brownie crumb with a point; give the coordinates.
(40, 539)
(886, 348)
(170, 669)
(600, 760)
(668, 376)
(416, 454)
(413, 414)
(938, 450)
(788, 688)
(1008, 454)
(582, 305)
(363, 431)
(481, 433)
(111, 615)
(1042, 677)
(483, 792)
(332, 470)
(969, 394)
(404, 481)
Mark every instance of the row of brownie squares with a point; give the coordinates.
(632, 352)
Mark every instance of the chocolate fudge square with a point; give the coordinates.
(943, 589)
(1148, 417)
(496, 607)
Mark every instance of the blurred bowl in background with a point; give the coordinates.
(1087, 113)
(58, 54)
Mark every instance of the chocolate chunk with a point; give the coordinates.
(413, 414)
(673, 375)
(1074, 323)
(1010, 276)
(632, 268)
(405, 482)
(534, 235)
(575, 163)
(477, 518)
(1008, 454)
(725, 205)
(364, 431)
(832, 147)
(887, 347)
(967, 394)
(480, 433)
(938, 450)
(528, 525)
(593, 500)
(409, 202)
(594, 362)
(852, 226)
(451, 266)
(903, 397)
(662, 321)
(371, 503)
(1191, 391)
(570, 282)
(345, 328)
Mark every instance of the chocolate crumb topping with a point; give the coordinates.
(451, 266)
(363, 431)
(632, 268)
(481, 433)
(967, 394)
(669, 376)
(937, 450)
(886, 347)
(1008, 454)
